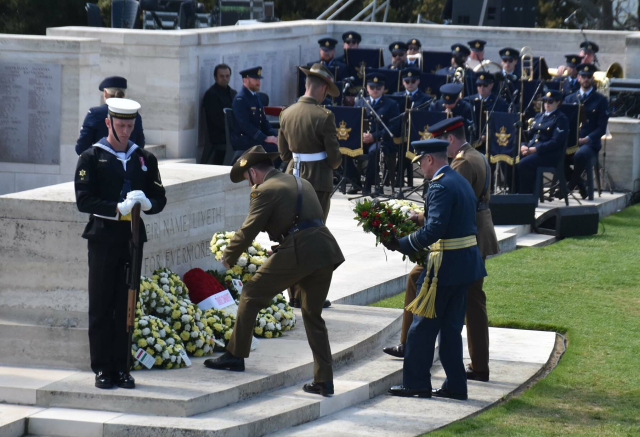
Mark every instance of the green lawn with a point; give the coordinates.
(588, 288)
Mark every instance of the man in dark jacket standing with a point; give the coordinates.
(215, 100)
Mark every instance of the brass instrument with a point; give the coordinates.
(417, 56)
(553, 72)
(488, 66)
(458, 76)
(526, 59)
(602, 78)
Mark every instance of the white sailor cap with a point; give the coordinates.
(123, 108)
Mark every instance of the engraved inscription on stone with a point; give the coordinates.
(30, 112)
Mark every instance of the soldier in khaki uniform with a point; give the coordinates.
(473, 166)
(308, 141)
(287, 208)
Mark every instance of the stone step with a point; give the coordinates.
(159, 151)
(536, 240)
(359, 381)
(353, 331)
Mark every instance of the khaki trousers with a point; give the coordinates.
(476, 319)
(258, 293)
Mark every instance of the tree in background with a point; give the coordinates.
(32, 17)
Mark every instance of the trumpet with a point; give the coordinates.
(526, 58)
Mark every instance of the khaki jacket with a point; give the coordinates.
(306, 127)
(471, 165)
(272, 209)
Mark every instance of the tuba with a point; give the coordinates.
(602, 78)
(526, 59)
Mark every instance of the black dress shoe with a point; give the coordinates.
(444, 393)
(125, 380)
(294, 303)
(399, 390)
(395, 351)
(583, 191)
(226, 362)
(104, 380)
(326, 304)
(319, 388)
(353, 190)
(477, 376)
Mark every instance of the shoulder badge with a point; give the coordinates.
(460, 154)
(436, 186)
(437, 177)
(254, 194)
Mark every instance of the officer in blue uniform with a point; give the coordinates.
(413, 48)
(511, 90)
(350, 40)
(595, 109)
(251, 127)
(484, 101)
(387, 109)
(94, 127)
(450, 231)
(547, 139)
(411, 82)
(451, 103)
(110, 177)
(569, 84)
(398, 51)
(459, 56)
(327, 53)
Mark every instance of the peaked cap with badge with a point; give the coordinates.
(477, 45)
(253, 73)
(509, 52)
(425, 147)
(398, 46)
(113, 82)
(589, 47)
(327, 43)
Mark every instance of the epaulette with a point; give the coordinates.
(460, 154)
(437, 177)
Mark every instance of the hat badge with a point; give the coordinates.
(573, 60)
(457, 49)
(409, 74)
(414, 41)
(375, 79)
(549, 94)
(326, 44)
(507, 53)
(586, 68)
(350, 36)
(482, 77)
(477, 44)
(260, 72)
(589, 46)
(397, 47)
(243, 162)
(447, 97)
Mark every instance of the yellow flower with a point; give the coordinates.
(190, 347)
(247, 277)
(227, 321)
(258, 330)
(199, 353)
(218, 327)
(268, 334)
(155, 334)
(227, 335)
(229, 272)
(150, 351)
(158, 360)
(137, 333)
(184, 336)
(237, 270)
(228, 278)
(142, 343)
(169, 365)
(177, 326)
(219, 255)
(175, 314)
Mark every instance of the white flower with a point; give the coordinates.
(166, 355)
(167, 309)
(262, 322)
(162, 333)
(194, 334)
(178, 359)
(143, 322)
(242, 261)
(277, 315)
(404, 209)
(278, 326)
(153, 295)
(160, 310)
(200, 325)
(199, 344)
(183, 310)
(220, 242)
(207, 348)
(179, 288)
(187, 327)
(281, 306)
(153, 304)
(150, 341)
(270, 326)
(135, 347)
(252, 268)
(146, 331)
(158, 348)
(164, 274)
(171, 341)
(270, 310)
(165, 288)
(252, 250)
(185, 318)
(223, 248)
(197, 317)
(164, 280)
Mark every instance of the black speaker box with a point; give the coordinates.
(513, 209)
(570, 221)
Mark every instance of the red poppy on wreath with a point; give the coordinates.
(375, 223)
(389, 225)
(364, 213)
(377, 215)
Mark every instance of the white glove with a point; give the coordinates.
(139, 196)
(126, 206)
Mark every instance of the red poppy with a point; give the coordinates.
(375, 223)
(389, 225)
(364, 213)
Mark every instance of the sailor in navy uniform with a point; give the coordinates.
(327, 53)
(451, 103)
(413, 48)
(387, 109)
(569, 84)
(595, 108)
(411, 82)
(110, 177)
(350, 40)
(547, 139)
(398, 51)
(251, 127)
(94, 127)
(450, 230)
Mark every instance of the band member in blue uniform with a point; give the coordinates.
(547, 139)
(94, 127)
(595, 108)
(387, 109)
(413, 48)
(350, 40)
(569, 84)
(411, 82)
(398, 51)
(327, 53)
(450, 231)
(484, 84)
(251, 127)
(509, 60)
(459, 56)
(110, 178)
(588, 50)
(477, 53)
(451, 103)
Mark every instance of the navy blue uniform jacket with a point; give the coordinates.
(251, 127)
(418, 98)
(450, 206)
(549, 133)
(387, 109)
(94, 129)
(595, 116)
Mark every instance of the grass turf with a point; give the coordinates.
(588, 288)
